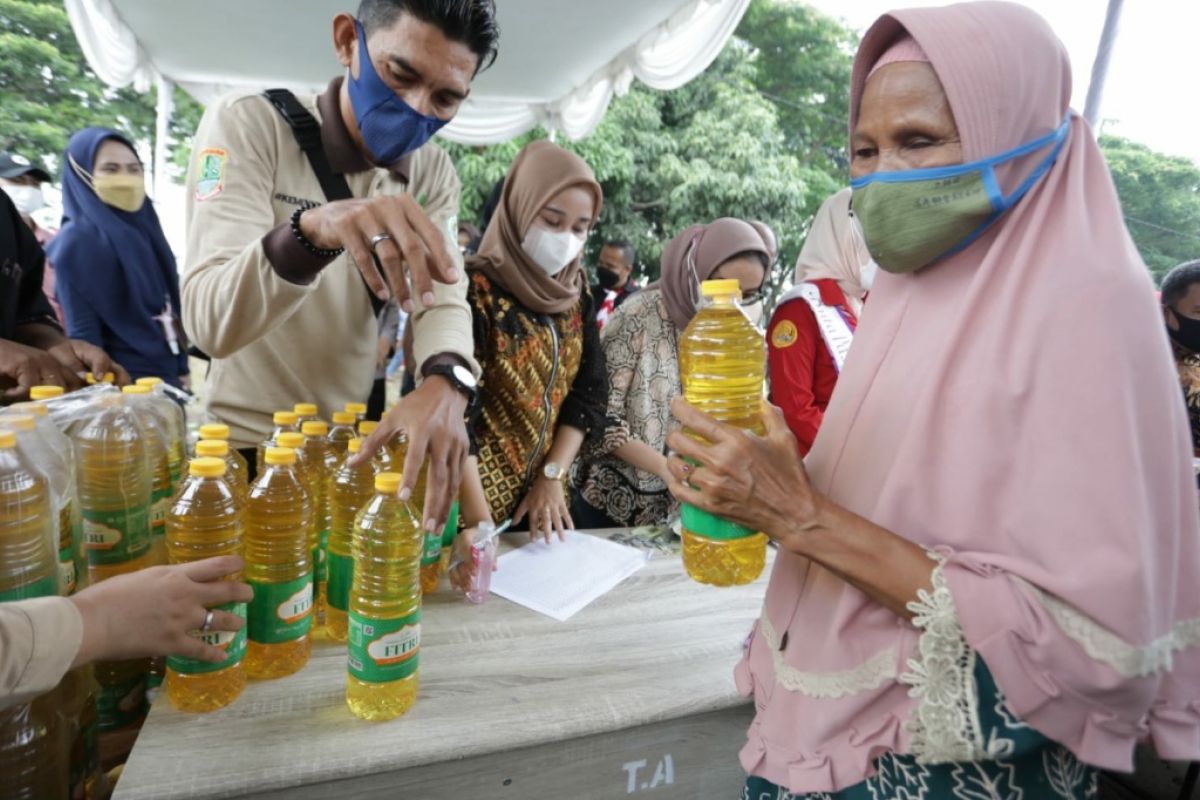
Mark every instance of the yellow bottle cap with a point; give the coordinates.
(37, 409)
(207, 467)
(286, 418)
(135, 389)
(290, 439)
(8, 440)
(354, 445)
(151, 382)
(315, 428)
(714, 288)
(45, 392)
(305, 409)
(108, 378)
(19, 422)
(344, 418)
(214, 430)
(367, 427)
(280, 455)
(387, 482)
(356, 408)
(212, 448)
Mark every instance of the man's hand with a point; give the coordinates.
(413, 241)
(432, 420)
(80, 356)
(22, 368)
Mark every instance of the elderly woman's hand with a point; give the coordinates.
(755, 481)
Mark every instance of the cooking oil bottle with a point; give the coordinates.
(112, 470)
(722, 367)
(279, 568)
(158, 436)
(342, 432)
(385, 605)
(359, 410)
(205, 521)
(285, 422)
(431, 571)
(306, 412)
(219, 448)
(322, 462)
(32, 753)
(172, 413)
(236, 464)
(349, 490)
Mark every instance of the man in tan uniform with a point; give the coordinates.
(275, 287)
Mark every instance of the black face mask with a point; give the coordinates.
(608, 278)
(1188, 334)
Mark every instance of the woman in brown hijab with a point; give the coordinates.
(544, 388)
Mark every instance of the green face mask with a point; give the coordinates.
(915, 217)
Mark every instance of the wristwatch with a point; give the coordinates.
(459, 377)
(554, 472)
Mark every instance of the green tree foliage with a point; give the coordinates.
(47, 91)
(1160, 196)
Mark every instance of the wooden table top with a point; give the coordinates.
(493, 678)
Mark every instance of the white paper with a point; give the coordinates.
(561, 578)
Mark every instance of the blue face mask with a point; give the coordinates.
(912, 218)
(390, 127)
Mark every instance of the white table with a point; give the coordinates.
(633, 696)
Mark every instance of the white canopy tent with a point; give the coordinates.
(560, 64)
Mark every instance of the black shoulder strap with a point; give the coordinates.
(307, 131)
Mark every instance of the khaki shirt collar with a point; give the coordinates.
(344, 156)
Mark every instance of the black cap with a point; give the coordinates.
(15, 166)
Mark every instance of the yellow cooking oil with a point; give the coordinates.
(158, 437)
(322, 461)
(172, 414)
(349, 490)
(383, 456)
(219, 448)
(113, 460)
(279, 568)
(205, 521)
(341, 432)
(284, 422)
(385, 605)
(239, 470)
(431, 563)
(359, 410)
(306, 412)
(722, 366)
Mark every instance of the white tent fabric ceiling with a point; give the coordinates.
(560, 64)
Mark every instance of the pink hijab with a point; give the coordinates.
(1015, 408)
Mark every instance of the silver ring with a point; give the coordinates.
(208, 621)
(379, 237)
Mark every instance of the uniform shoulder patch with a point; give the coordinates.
(784, 334)
(210, 172)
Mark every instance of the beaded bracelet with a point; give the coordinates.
(320, 252)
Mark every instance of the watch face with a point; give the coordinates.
(464, 376)
(552, 471)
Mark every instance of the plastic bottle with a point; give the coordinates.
(279, 568)
(431, 566)
(176, 422)
(285, 422)
(306, 412)
(239, 469)
(722, 367)
(322, 462)
(483, 560)
(219, 448)
(385, 605)
(448, 534)
(121, 704)
(32, 751)
(112, 468)
(205, 521)
(158, 436)
(359, 410)
(383, 456)
(349, 490)
(341, 432)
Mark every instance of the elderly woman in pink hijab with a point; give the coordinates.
(988, 576)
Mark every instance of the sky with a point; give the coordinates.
(1150, 91)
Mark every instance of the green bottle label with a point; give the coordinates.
(122, 704)
(43, 587)
(320, 558)
(68, 579)
(114, 537)
(709, 526)
(384, 650)
(234, 645)
(451, 529)
(160, 504)
(281, 612)
(337, 590)
(433, 548)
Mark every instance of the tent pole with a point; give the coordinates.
(1108, 37)
(165, 107)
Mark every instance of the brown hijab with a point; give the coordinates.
(703, 248)
(540, 171)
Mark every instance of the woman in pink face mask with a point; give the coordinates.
(543, 388)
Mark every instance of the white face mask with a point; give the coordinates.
(27, 199)
(867, 273)
(551, 250)
(755, 312)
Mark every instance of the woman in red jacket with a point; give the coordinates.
(812, 327)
